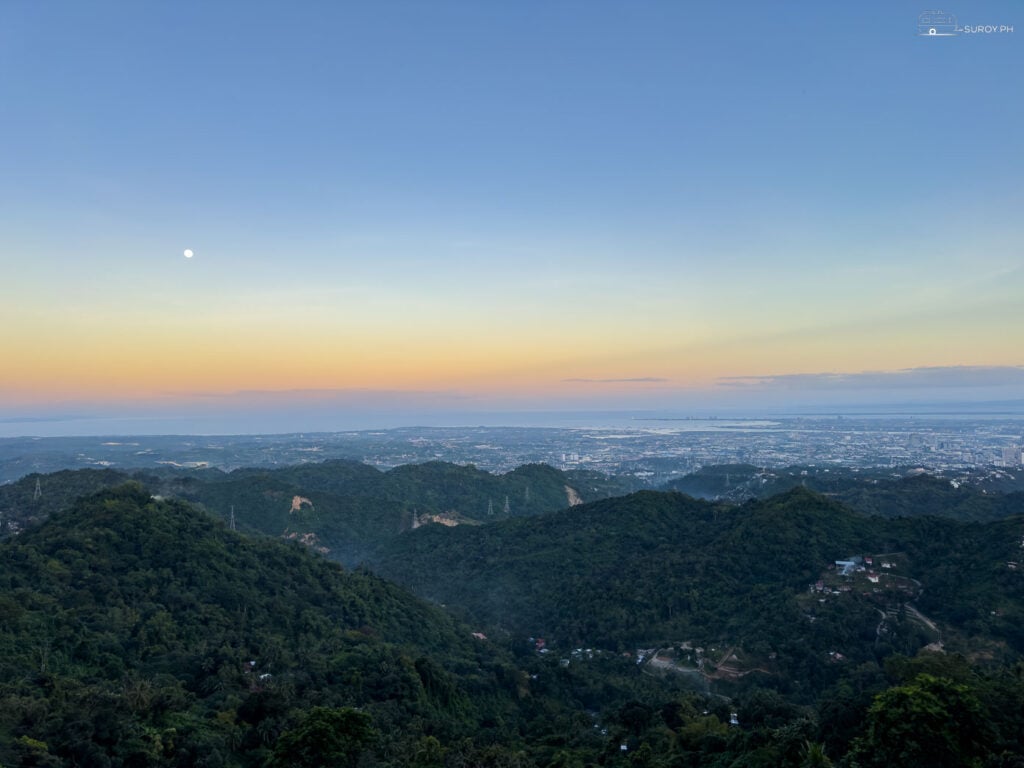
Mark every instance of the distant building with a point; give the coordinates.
(1011, 456)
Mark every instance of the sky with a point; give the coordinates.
(413, 208)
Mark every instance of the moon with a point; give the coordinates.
(188, 253)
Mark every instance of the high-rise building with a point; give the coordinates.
(1011, 456)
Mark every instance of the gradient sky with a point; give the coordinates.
(506, 205)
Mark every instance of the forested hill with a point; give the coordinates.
(624, 571)
(342, 508)
(24, 503)
(889, 493)
(137, 632)
(659, 568)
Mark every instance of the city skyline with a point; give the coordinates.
(448, 208)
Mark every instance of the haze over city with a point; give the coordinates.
(448, 213)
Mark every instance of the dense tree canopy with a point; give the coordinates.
(142, 632)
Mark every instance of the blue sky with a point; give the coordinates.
(508, 203)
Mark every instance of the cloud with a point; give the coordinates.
(32, 419)
(941, 377)
(358, 397)
(637, 380)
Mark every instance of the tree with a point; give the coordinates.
(429, 753)
(325, 738)
(931, 721)
(815, 757)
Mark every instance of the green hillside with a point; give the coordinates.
(647, 567)
(660, 569)
(870, 491)
(138, 632)
(35, 497)
(344, 509)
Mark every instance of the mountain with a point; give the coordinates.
(25, 503)
(143, 632)
(342, 508)
(348, 509)
(663, 569)
(887, 493)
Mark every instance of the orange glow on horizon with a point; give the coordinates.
(79, 356)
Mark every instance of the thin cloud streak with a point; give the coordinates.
(636, 380)
(353, 395)
(907, 378)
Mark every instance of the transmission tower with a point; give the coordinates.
(507, 510)
(490, 508)
(39, 491)
(232, 517)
